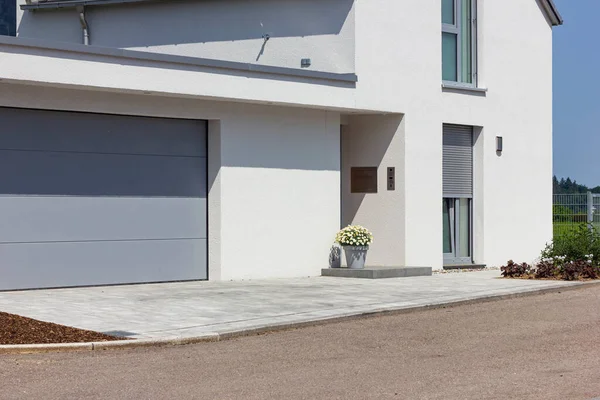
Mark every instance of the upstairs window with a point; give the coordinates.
(8, 17)
(459, 41)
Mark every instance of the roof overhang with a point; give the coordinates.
(54, 4)
(552, 12)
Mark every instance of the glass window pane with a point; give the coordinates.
(466, 42)
(449, 61)
(448, 12)
(446, 226)
(464, 228)
(8, 17)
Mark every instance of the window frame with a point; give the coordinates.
(454, 257)
(456, 29)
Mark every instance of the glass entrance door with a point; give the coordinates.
(457, 230)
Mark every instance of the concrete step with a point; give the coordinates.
(377, 272)
(464, 266)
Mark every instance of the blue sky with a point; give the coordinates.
(577, 92)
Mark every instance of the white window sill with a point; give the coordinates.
(458, 87)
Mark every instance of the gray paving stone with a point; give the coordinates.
(180, 310)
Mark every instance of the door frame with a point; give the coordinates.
(454, 214)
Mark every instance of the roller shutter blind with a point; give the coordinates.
(457, 161)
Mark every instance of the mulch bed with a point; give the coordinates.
(15, 329)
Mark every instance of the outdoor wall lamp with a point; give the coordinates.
(499, 144)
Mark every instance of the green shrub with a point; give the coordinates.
(575, 245)
(567, 215)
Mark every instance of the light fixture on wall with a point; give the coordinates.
(499, 144)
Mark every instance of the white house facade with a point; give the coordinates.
(151, 141)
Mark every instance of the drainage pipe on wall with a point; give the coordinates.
(84, 25)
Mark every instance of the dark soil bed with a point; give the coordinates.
(15, 329)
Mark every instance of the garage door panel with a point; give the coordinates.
(92, 199)
(80, 174)
(101, 133)
(58, 218)
(26, 266)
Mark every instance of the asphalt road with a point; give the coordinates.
(540, 347)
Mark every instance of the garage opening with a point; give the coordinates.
(97, 199)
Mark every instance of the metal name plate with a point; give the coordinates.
(363, 180)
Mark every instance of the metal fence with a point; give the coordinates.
(571, 210)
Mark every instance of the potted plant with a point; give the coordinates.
(355, 240)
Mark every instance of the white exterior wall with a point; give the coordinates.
(367, 141)
(517, 187)
(322, 30)
(512, 192)
(403, 73)
(279, 167)
(274, 196)
(48, 67)
(280, 192)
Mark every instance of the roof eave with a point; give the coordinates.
(552, 12)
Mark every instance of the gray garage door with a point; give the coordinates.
(91, 199)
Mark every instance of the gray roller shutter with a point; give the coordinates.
(95, 199)
(458, 161)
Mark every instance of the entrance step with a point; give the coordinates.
(464, 266)
(377, 272)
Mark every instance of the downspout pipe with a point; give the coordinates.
(84, 25)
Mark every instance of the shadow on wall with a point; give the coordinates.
(365, 142)
(206, 21)
(54, 25)
(283, 138)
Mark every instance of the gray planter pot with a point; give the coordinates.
(356, 256)
(335, 256)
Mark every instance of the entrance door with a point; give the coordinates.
(457, 230)
(457, 193)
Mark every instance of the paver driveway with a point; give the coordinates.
(532, 348)
(179, 310)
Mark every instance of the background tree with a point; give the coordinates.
(568, 186)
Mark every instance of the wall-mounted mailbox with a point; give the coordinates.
(363, 180)
(391, 178)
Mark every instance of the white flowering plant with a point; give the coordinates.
(354, 235)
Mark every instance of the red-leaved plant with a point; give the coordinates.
(514, 270)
